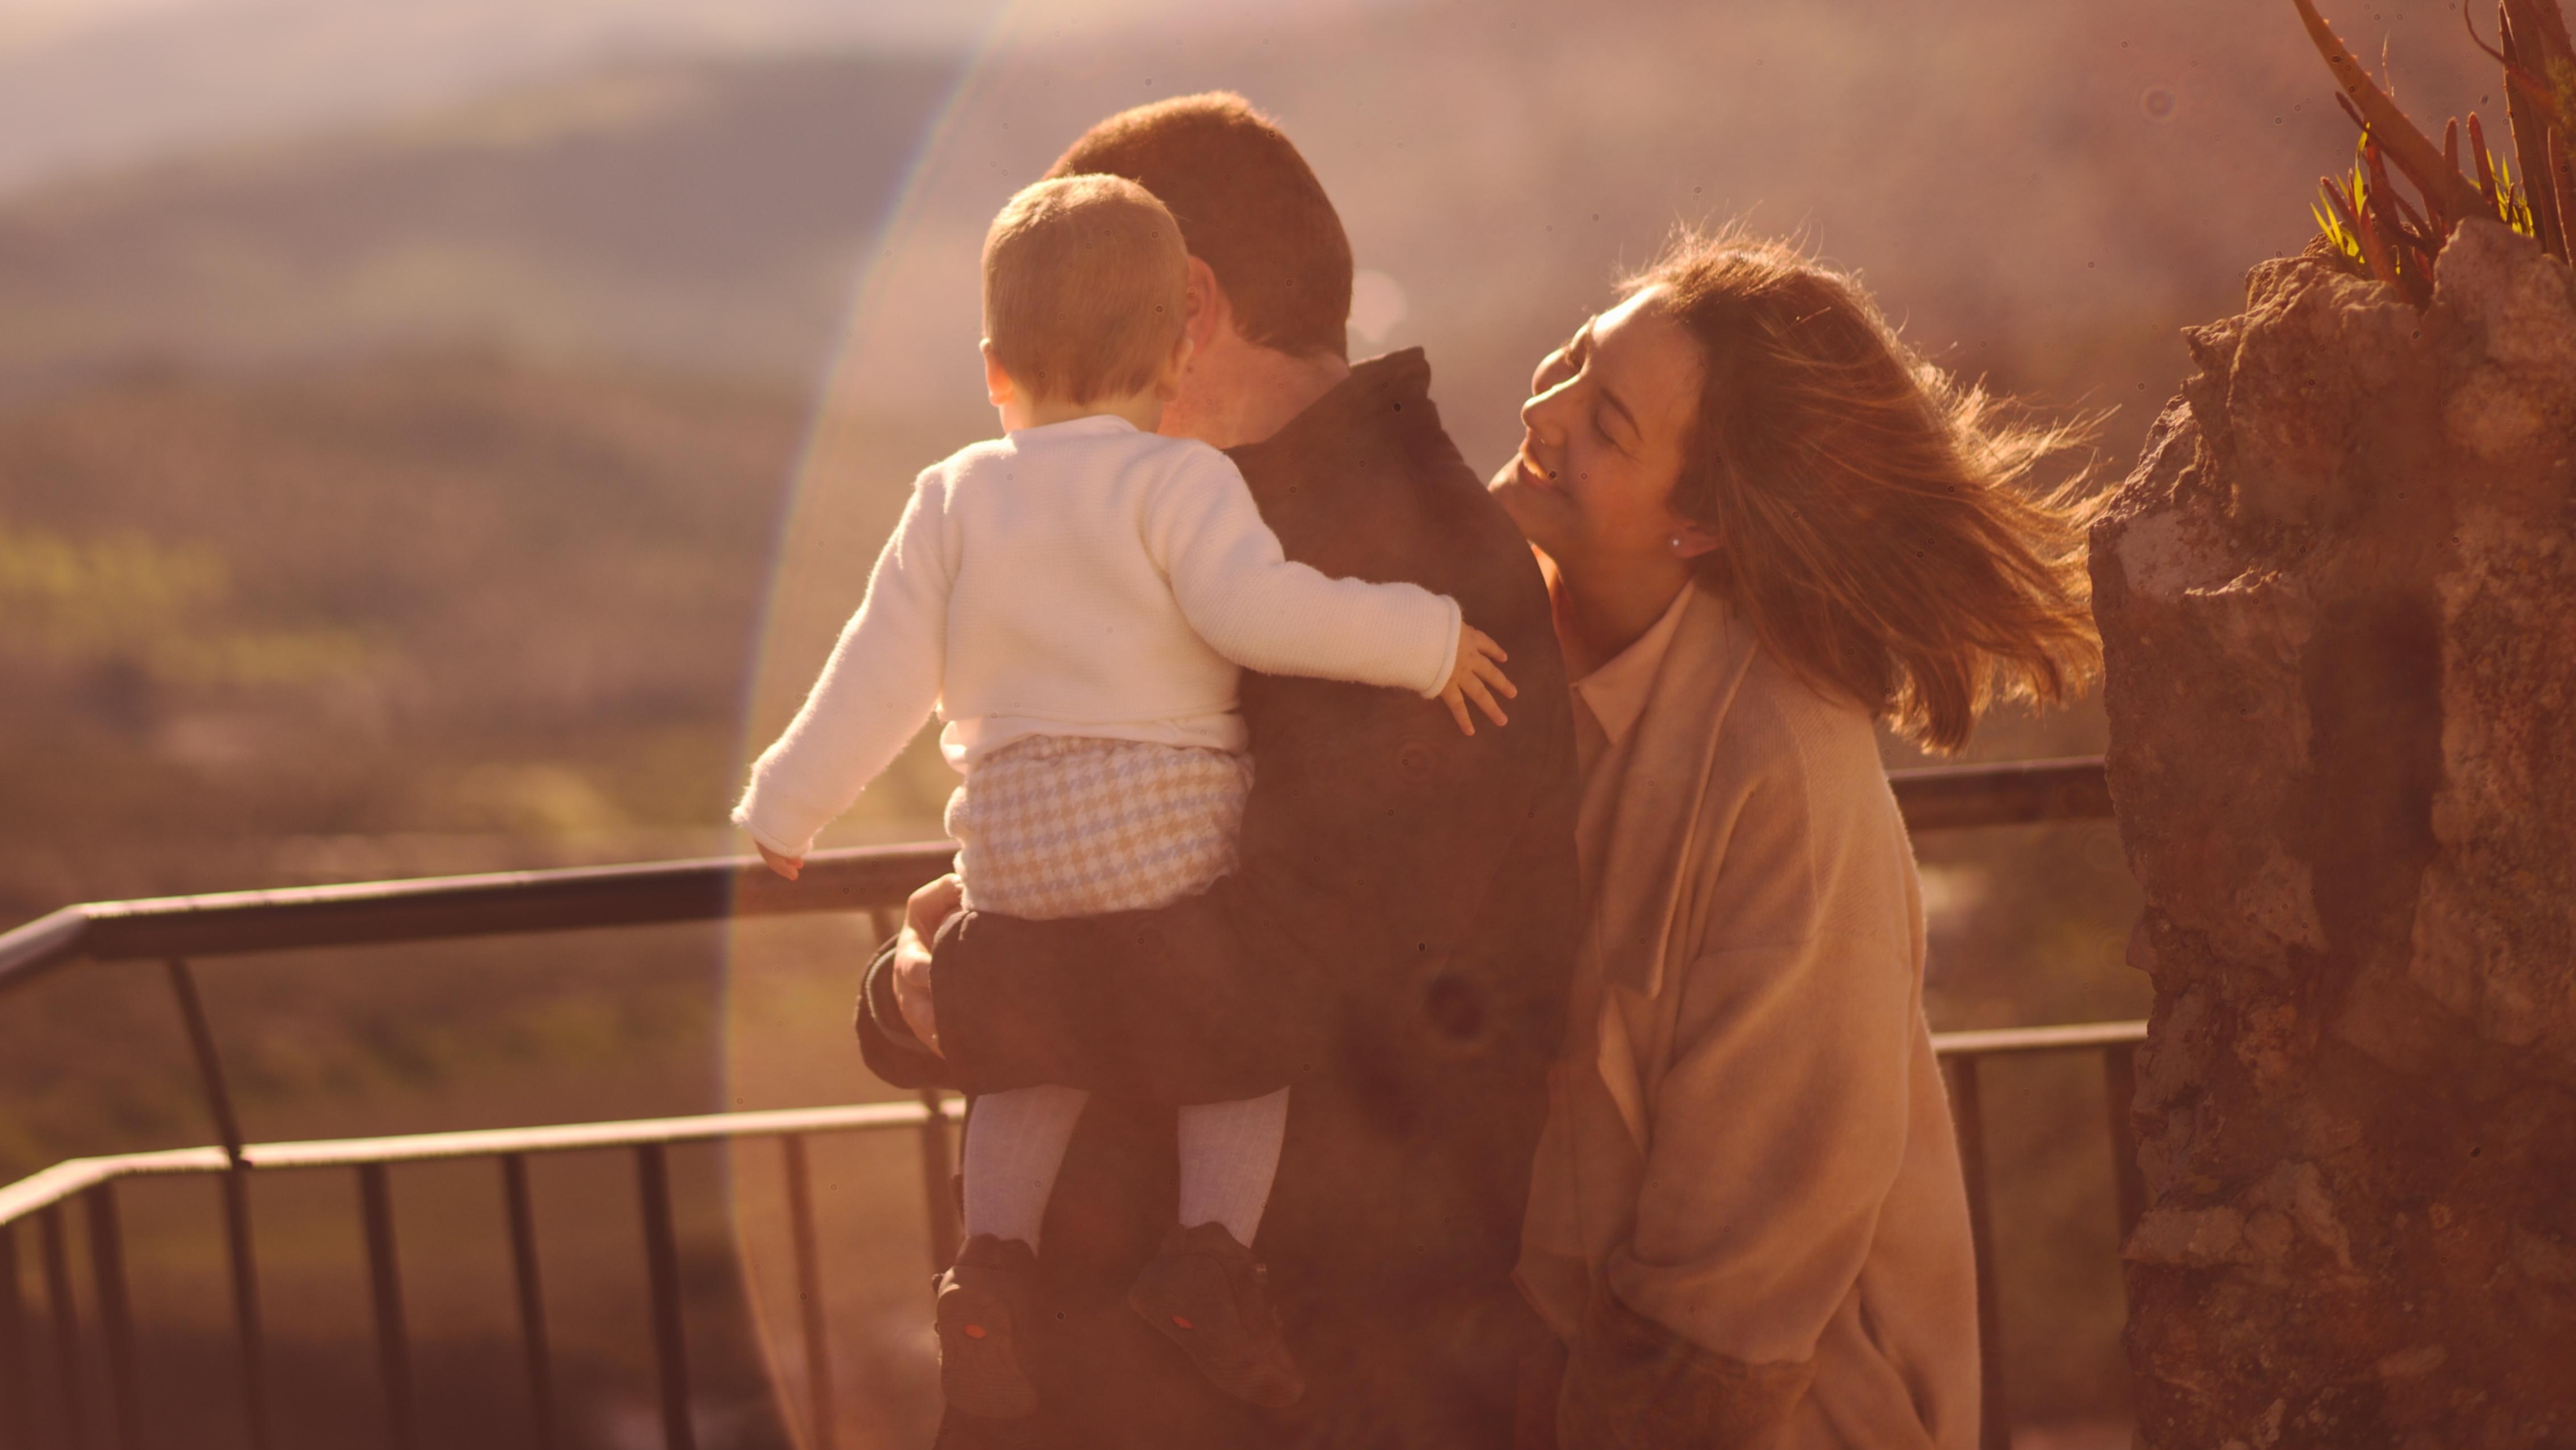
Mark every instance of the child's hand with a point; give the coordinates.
(1476, 676)
(786, 866)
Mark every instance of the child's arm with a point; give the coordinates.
(879, 685)
(1265, 612)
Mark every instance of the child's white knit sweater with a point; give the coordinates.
(1087, 579)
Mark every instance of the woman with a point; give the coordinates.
(1767, 527)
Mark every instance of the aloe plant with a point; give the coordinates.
(2373, 226)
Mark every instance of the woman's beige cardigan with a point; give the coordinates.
(1747, 1219)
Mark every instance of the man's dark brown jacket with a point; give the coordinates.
(1395, 947)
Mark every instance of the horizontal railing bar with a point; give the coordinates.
(495, 904)
(669, 892)
(2000, 1041)
(1953, 797)
(66, 1179)
(75, 1176)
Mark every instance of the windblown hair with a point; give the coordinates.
(1879, 526)
(1085, 281)
(1249, 206)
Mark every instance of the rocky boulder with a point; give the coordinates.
(2338, 600)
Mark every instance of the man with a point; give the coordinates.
(1395, 945)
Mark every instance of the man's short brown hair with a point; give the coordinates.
(1085, 279)
(1248, 206)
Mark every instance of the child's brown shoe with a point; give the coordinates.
(987, 1300)
(1208, 1295)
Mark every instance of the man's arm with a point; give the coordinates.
(886, 1044)
(1189, 1002)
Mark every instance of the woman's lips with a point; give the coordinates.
(1531, 474)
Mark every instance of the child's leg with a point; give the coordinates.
(1229, 1154)
(1014, 1144)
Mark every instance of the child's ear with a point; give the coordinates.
(997, 383)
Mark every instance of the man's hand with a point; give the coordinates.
(1476, 675)
(930, 907)
(786, 866)
(922, 915)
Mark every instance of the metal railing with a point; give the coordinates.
(177, 930)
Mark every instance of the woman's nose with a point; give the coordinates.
(1539, 414)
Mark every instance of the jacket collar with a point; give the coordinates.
(1374, 398)
(1616, 692)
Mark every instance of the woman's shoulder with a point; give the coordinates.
(1796, 777)
(1781, 726)
(1800, 801)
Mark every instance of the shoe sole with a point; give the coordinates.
(1188, 1300)
(979, 1372)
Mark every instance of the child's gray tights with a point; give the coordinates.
(1016, 1139)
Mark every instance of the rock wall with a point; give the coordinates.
(2338, 598)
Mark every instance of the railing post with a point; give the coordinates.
(115, 1315)
(17, 1408)
(938, 1181)
(809, 1294)
(210, 1065)
(235, 1187)
(67, 1346)
(2120, 1082)
(532, 1300)
(1995, 1426)
(662, 1264)
(384, 1273)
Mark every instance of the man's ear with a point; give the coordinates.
(1176, 365)
(997, 383)
(1205, 307)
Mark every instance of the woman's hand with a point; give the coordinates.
(1477, 675)
(922, 916)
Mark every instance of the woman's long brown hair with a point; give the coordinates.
(1878, 525)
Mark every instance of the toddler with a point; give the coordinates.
(1077, 599)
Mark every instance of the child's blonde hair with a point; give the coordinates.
(1084, 279)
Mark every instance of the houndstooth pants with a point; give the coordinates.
(1063, 826)
(1056, 826)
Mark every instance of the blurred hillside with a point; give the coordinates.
(696, 215)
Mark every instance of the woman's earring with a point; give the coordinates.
(1677, 542)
